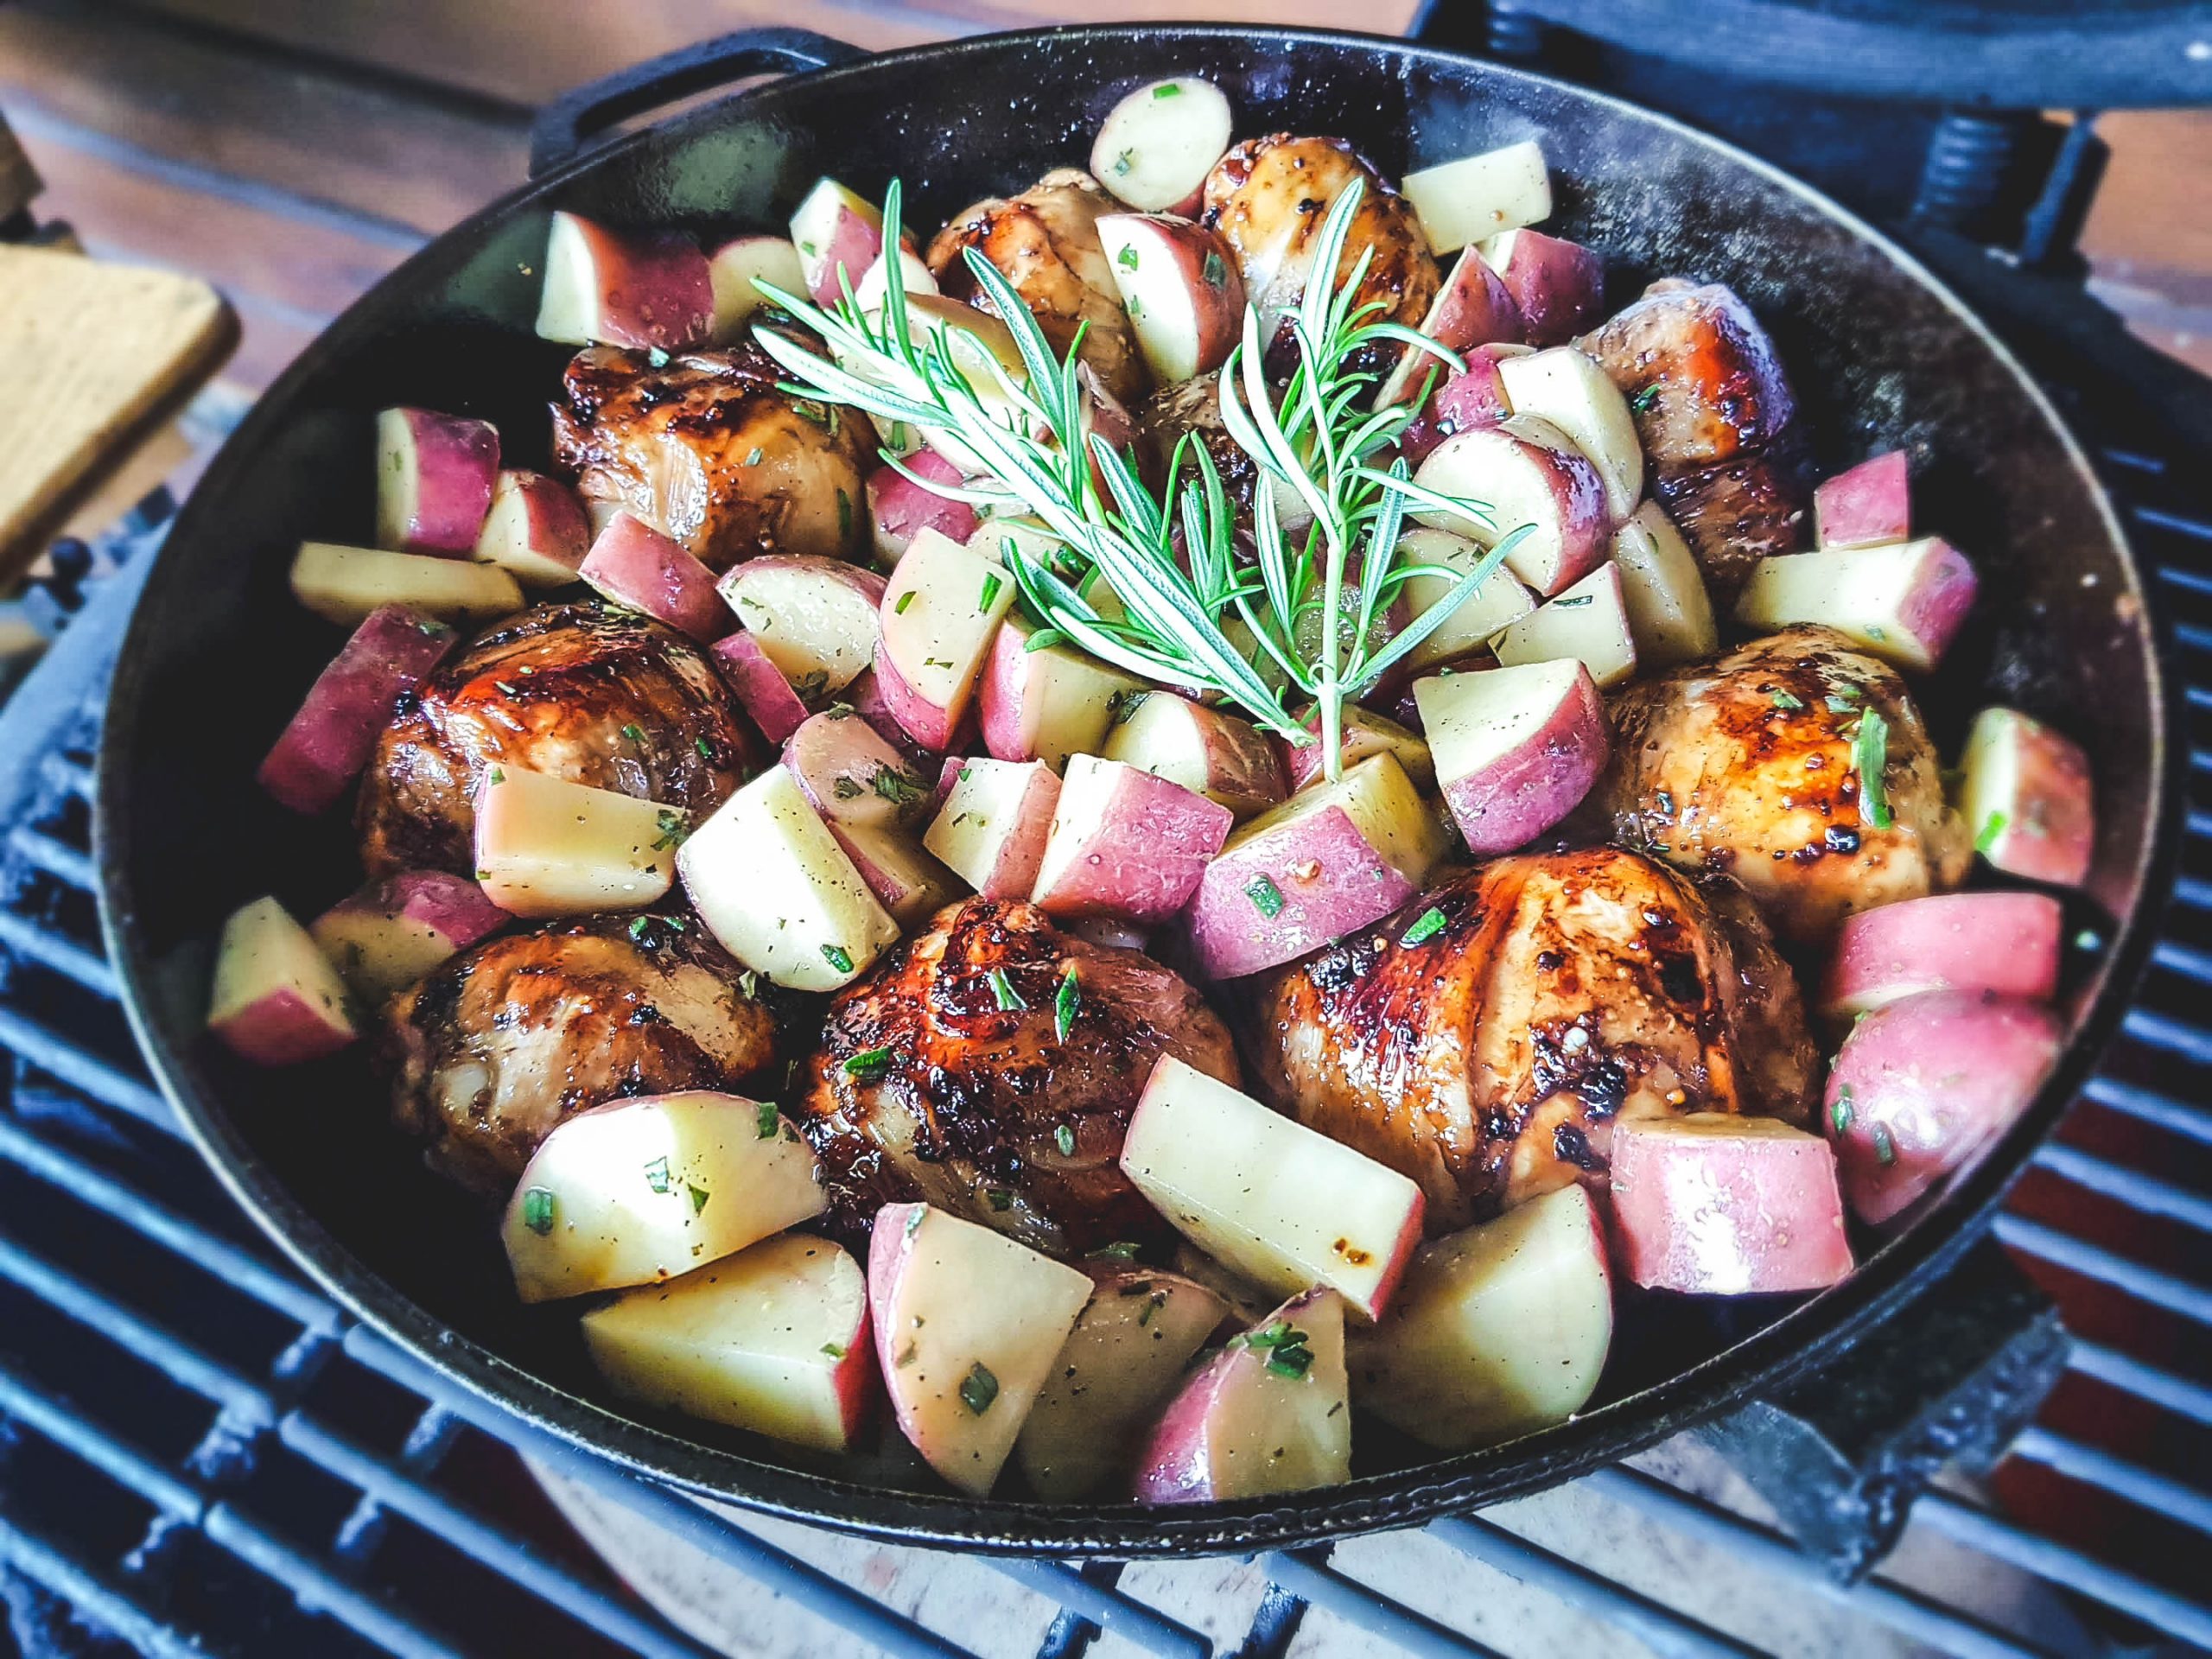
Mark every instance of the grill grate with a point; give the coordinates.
(200, 1454)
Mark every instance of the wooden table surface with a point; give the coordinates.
(291, 151)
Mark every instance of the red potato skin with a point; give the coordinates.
(453, 906)
(1527, 792)
(634, 564)
(282, 1028)
(1217, 308)
(655, 293)
(1558, 287)
(1866, 507)
(557, 528)
(2057, 839)
(329, 740)
(761, 690)
(1166, 835)
(1176, 1465)
(1471, 309)
(1466, 400)
(1229, 936)
(2006, 943)
(901, 509)
(1710, 1218)
(456, 463)
(926, 725)
(1941, 599)
(1922, 1086)
(855, 244)
(866, 696)
(828, 749)
(1578, 515)
(1020, 855)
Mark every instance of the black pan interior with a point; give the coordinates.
(219, 653)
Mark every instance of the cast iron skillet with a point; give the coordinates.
(1881, 356)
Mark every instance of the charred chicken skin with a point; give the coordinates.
(1268, 198)
(706, 450)
(594, 696)
(945, 1075)
(1717, 420)
(1045, 241)
(1748, 763)
(496, 1045)
(1488, 1061)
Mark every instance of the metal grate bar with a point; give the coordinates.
(1307, 1575)
(2192, 1043)
(2144, 1193)
(2148, 1106)
(96, 1596)
(239, 1267)
(1907, 1612)
(2161, 1494)
(2184, 959)
(58, 858)
(2157, 518)
(2064, 1250)
(55, 950)
(2099, 1580)
(1659, 1627)
(2177, 1394)
(802, 1584)
(1111, 1610)
(317, 1589)
(72, 1429)
(84, 1071)
(487, 1542)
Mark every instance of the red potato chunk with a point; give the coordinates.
(1530, 474)
(1558, 285)
(649, 293)
(435, 475)
(761, 690)
(1515, 749)
(2000, 942)
(396, 930)
(634, 564)
(2029, 799)
(276, 1000)
(1868, 506)
(1156, 146)
(1922, 1086)
(1183, 289)
(901, 509)
(1125, 843)
(535, 530)
(323, 747)
(1722, 1206)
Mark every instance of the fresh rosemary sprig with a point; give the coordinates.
(1025, 427)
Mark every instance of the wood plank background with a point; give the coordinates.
(291, 151)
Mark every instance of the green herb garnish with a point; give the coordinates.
(1127, 258)
(978, 1389)
(1002, 989)
(904, 600)
(657, 1174)
(900, 788)
(767, 1122)
(1426, 925)
(1644, 399)
(992, 588)
(1870, 753)
(538, 1210)
(838, 957)
(1992, 827)
(699, 1196)
(1064, 1138)
(1066, 1004)
(869, 1062)
(1786, 700)
(1266, 897)
(1121, 1249)
(1839, 1115)
(634, 732)
(670, 824)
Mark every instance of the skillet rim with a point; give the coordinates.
(1789, 1349)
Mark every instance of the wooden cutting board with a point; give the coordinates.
(95, 358)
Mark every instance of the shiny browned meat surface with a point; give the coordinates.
(1045, 241)
(498, 1045)
(929, 1085)
(579, 691)
(1490, 1060)
(1193, 407)
(1269, 196)
(1747, 763)
(705, 449)
(1718, 420)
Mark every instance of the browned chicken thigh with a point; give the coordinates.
(499, 1045)
(705, 449)
(1748, 763)
(1717, 420)
(1045, 241)
(579, 691)
(1269, 196)
(945, 1074)
(1487, 1060)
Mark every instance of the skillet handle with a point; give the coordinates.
(570, 123)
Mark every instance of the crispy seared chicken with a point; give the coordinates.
(943, 1075)
(495, 1047)
(705, 449)
(1045, 241)
(1268, 198)
(1747, 763)
(1718, 420)
(596, 696)
(1488, 1060)
(1193, 407)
